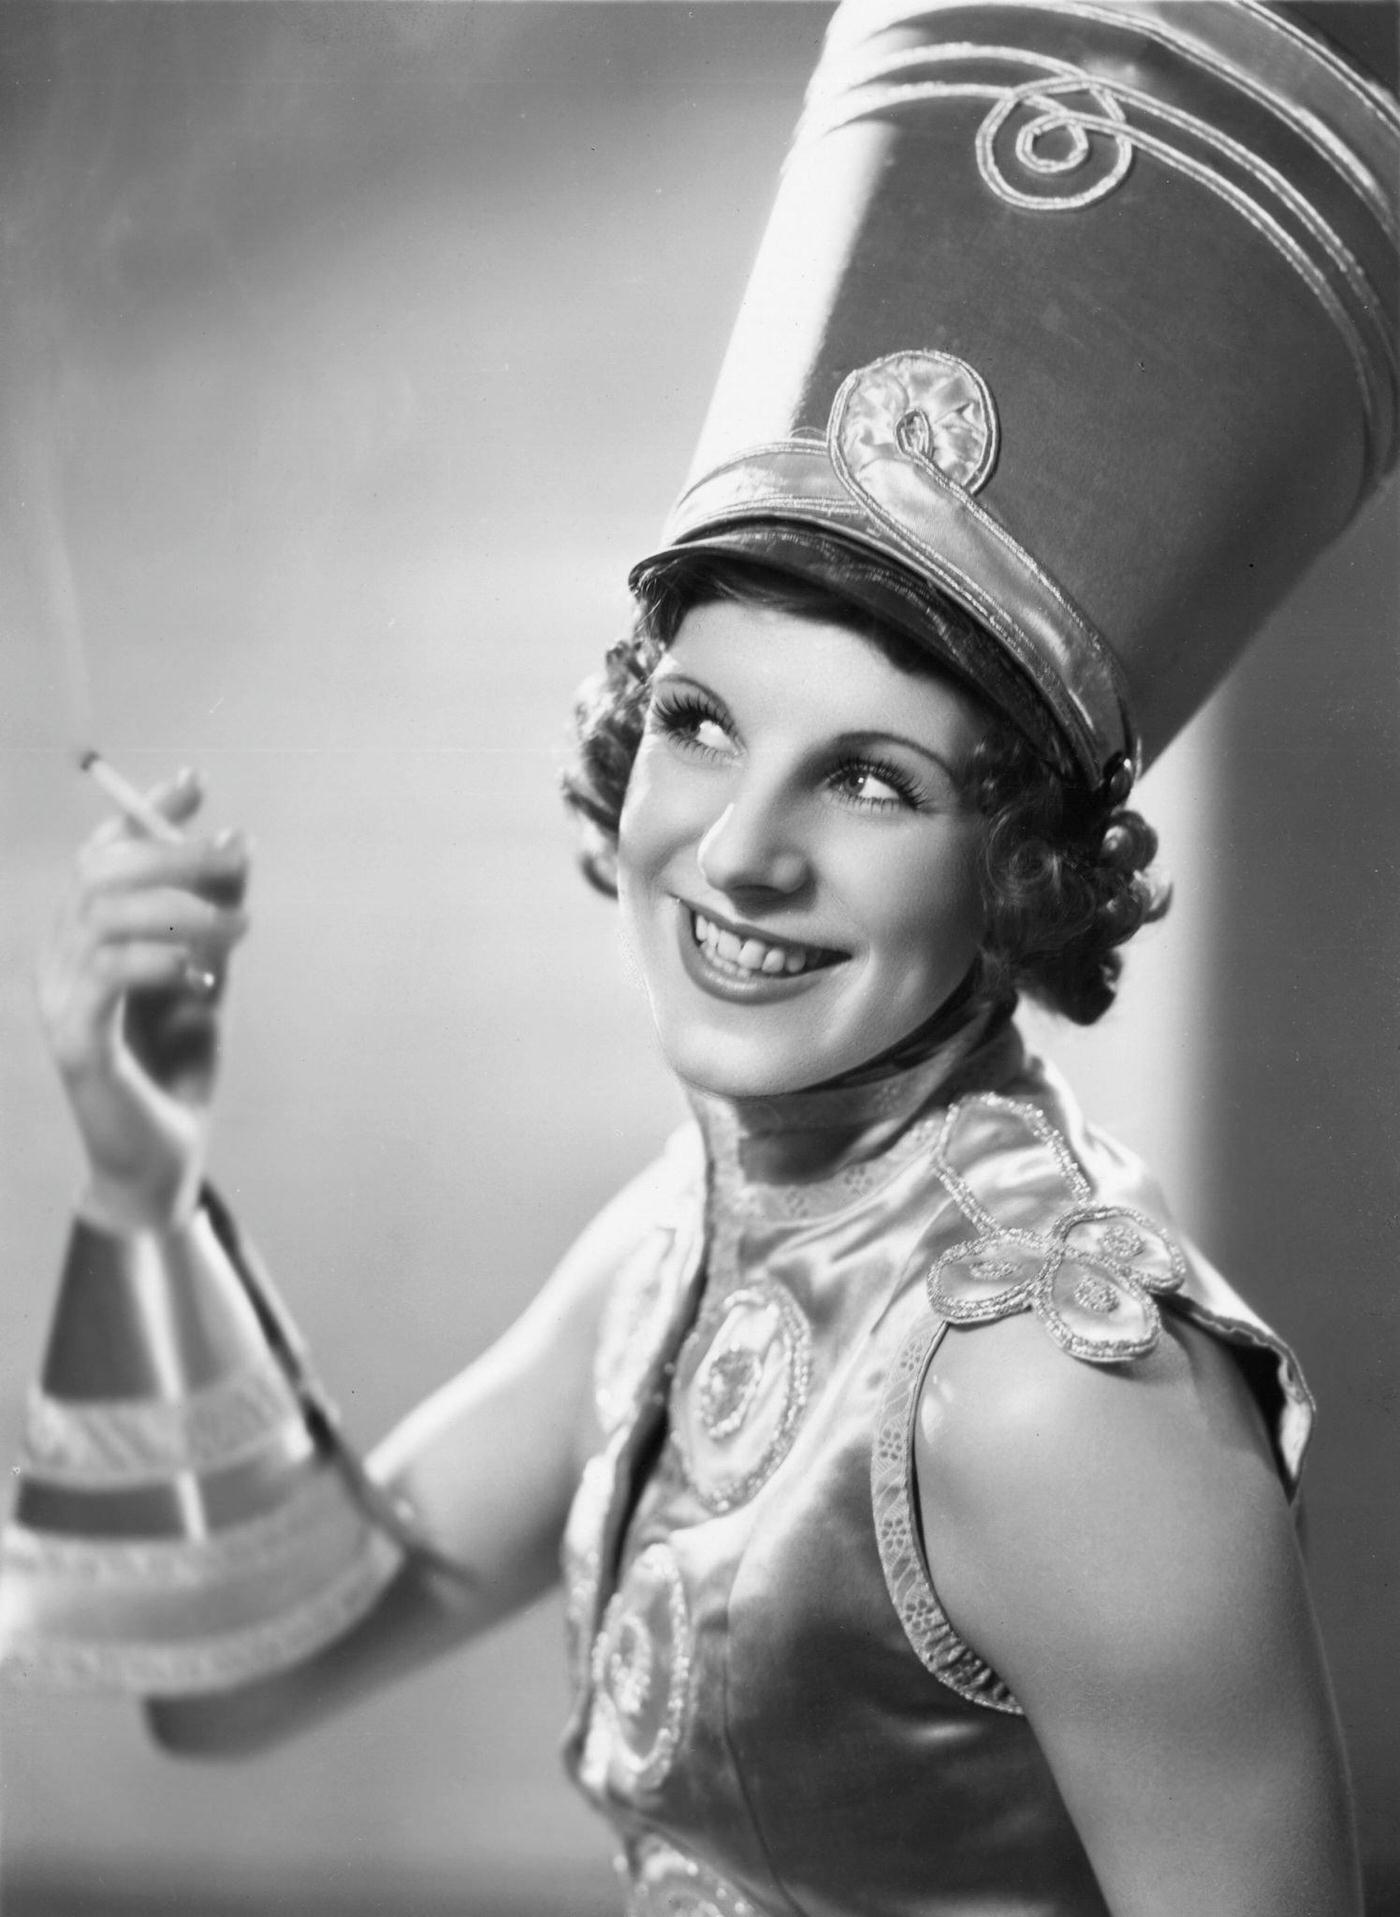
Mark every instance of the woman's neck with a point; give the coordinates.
(802, 1136)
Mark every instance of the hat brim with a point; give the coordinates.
(887, 592)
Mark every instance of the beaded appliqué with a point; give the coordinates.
(740, 1391)
(1089, 1279)
(1089, 1274)
(934, 1641)
(665, 1882)
(641, 1677)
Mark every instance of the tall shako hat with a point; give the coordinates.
(1080, 312)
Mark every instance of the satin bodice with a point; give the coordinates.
(772, 1708)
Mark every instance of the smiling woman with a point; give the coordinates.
(1061, 873)
(923, 1496)
(796, 862)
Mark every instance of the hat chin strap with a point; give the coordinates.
(965, 1006)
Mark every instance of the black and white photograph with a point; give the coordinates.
(700, 958)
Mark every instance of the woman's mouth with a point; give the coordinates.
(745, 959)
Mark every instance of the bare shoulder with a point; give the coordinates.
(1115, 1542)
(1139, 1494)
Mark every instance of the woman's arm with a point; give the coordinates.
(1115, 1542)
(131, 989)
(489, 1465)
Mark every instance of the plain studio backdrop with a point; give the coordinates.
(350, 354)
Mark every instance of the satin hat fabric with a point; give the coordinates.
(1081, 313)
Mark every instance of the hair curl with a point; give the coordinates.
(1064, 874)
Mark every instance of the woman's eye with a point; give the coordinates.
(710, 735)
(693, 726)
(879, 788)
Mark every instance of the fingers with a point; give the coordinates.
(147, 926)
(81, 1005)
(214, 868)
(163, 915)
(143, 917)
(176, 799)
(83, 985)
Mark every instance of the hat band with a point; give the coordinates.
(905, 511)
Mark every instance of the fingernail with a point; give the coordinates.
(231, 839)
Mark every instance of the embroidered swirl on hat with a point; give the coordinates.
(1050, 127)
(1058, 139)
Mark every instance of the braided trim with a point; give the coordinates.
(212, 1663)
(321, 1504)
(98, 1443)
(934, 1641)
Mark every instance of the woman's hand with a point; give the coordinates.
(130, 985)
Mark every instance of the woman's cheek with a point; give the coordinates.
(663, 816)
(944, 915)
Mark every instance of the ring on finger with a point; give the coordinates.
(198, 979)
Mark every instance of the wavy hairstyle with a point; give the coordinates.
(1064, 873)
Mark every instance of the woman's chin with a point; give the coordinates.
(725, 1066)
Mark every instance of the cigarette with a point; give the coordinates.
(132, 804)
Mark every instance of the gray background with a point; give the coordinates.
(349, 355)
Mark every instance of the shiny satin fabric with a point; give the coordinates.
(772, 1708)
(185, 1515)
(1080, 312)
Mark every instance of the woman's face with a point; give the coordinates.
(796, 866)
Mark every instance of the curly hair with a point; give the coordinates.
(1064, 873)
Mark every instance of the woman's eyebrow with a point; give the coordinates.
(877, 736)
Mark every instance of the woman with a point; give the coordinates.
(883, 1598)
(807, 784)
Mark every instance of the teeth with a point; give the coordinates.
(747, 955)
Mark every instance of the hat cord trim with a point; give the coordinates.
(1369, 365)
(1378, 107)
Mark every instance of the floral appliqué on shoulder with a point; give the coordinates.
(1090, 1272)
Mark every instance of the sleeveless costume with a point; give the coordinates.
(1074, 318)
(772, 1708)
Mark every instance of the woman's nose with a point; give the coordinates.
(751, 847)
